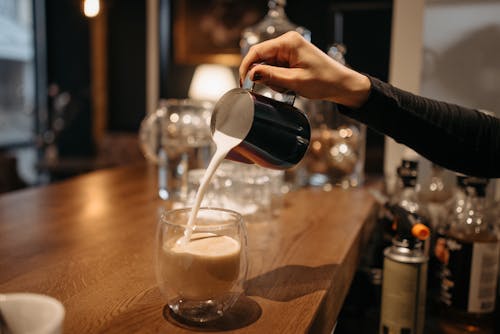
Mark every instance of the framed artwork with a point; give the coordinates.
(209, 31)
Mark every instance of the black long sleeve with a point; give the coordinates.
(454, 137)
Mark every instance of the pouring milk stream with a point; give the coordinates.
(229, 132)
(253, 129)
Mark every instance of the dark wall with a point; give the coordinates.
(126, 64)
(68, 72)
(366, 33)
(174, 78)
(365, 29)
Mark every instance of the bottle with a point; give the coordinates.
(404, 275)
(453, 209)
(405, 196)
(407, 193)
(470, 263)
(436, 193)
(454, 206)
(408, 196)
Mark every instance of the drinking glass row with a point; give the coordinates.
(176, 137)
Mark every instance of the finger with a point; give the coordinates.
(274, 76)
(266, 51)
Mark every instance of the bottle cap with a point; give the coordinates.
(420, 231)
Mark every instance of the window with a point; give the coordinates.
(17, 84)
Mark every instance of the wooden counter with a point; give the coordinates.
(89, 242)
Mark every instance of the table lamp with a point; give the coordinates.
(211, 81)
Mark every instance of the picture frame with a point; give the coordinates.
(209, 31)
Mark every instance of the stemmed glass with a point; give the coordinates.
(202, 277)
(176, 137)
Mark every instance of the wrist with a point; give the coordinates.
(355, 89)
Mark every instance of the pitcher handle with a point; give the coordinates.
(288, 96)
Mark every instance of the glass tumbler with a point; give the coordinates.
(248, 189)
(203, 277)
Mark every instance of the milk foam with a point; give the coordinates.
(209, 245)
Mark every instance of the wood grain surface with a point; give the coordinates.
(89, 242)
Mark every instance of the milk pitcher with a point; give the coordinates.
(275, 134)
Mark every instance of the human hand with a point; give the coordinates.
(292, 63)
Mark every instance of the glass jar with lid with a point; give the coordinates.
(274, 24)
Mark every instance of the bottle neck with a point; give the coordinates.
(408, 200)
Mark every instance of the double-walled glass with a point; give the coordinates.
(203, 277)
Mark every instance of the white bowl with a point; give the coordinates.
(30, 313)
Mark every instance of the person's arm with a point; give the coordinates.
(457, 138)
(454, 137)
(289, 62)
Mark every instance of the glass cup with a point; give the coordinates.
(211, 197)
(248, 189)
(33, 313)
(203, 277)
(176, 138)
(253, 191)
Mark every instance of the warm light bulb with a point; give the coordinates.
(91, 8)
(210, 82)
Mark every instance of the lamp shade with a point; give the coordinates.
(210, 82)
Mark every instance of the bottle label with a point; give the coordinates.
(469, 274)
